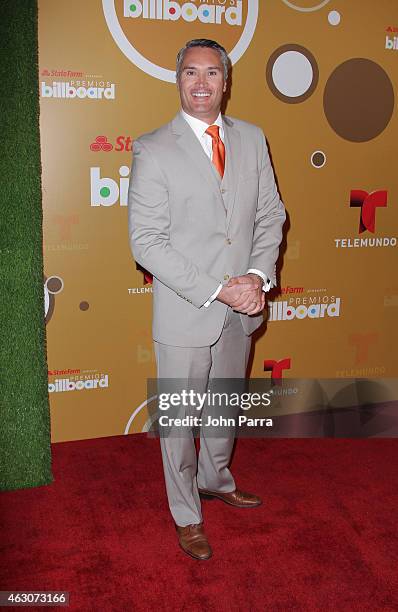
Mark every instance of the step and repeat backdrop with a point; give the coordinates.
(321, 79)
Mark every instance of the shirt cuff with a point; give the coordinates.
(213, 296)
(267, 282)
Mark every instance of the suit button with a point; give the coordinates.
(226, 276)
(228, 241)
(223, 190)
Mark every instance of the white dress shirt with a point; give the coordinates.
(199, 129)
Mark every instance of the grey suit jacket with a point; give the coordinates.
(192, 231)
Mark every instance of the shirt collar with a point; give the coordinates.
(200, 127)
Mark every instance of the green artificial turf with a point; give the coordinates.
(25, 456)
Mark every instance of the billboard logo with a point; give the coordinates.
(283, 311)
(67, 91)
(293, 249)
(367, 202)
(235, 21)
(62, 385)
(106, 191)
(171, 10)
(392, 43)
(391, 297)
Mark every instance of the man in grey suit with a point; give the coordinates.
(205, 218)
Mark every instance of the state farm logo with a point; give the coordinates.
(101, 143)
(368, 203)
(78, 85)
(134, 25)
(62, 73)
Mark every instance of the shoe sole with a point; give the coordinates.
(194, 556)
(211, 496)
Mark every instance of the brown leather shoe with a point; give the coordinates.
(193, 541)
(237, 498)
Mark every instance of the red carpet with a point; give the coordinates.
(326, 537)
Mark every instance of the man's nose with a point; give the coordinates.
(202, 78)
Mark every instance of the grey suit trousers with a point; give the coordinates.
(195, 367)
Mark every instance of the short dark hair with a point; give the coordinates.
(203, 42)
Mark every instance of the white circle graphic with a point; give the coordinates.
(46, 300)
(292, 74)
(306, 9)
(334, 18)
(323, 162)
(136, 411)
(47, 292)
(108, 6)
(61, 283)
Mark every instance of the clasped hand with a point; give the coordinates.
(244, 294)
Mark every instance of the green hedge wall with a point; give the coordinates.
(25, 456)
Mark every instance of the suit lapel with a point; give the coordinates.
(192, 148)
(232, 164)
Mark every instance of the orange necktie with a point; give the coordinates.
(218, 149)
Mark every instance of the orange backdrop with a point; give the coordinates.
(320, 79)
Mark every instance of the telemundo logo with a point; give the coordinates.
(169, 10)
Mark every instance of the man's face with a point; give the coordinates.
(201, 83)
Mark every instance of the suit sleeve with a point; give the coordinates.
(149, 232)
(269, 220)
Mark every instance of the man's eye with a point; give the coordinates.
(212, 72)
(189, 72)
